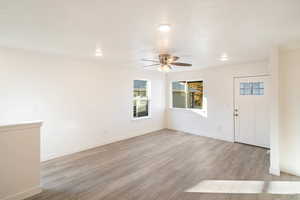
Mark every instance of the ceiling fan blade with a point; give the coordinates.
(173, 58)
(149, 60)
(152, 65)
(181, 64)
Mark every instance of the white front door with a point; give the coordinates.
(251, 110)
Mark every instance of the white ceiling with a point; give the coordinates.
(126, 30)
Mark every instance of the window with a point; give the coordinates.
(141, 98)
(252, 88)
(179, 95)
(187, 94)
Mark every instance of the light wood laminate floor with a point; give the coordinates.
(157, 166)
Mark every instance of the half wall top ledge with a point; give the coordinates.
(20, 126)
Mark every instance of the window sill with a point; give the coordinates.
(202, 112)
(140, 118)
(188, 109)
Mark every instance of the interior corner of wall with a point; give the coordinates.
(274, 171)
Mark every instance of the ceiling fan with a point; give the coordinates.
(166, 62)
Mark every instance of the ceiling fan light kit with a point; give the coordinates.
(164, 68)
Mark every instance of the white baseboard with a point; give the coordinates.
(202, 134)
(25, 194)
(275, 172)
(140, 133)
(290, 171)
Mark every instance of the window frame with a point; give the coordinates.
(148, 97)
(186, 96)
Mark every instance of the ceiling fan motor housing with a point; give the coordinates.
(164, 59)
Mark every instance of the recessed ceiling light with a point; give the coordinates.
(98, 52)
(164, 28)
(224, 57)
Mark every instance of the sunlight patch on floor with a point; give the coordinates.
(246, 187)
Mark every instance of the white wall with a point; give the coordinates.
(289, 137)
(20, 160)
(274, 111)
(217, 121)
(83, 103)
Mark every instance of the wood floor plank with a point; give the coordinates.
(161, 165)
